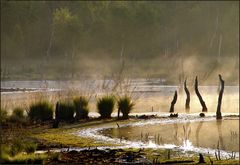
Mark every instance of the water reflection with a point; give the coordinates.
(220, 136)
(197, 132)
(187, 134)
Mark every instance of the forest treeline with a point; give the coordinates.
(46, 37)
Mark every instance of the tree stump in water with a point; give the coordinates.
(201, 159)
(173, 102)
(57, 111)
(187, 104)
(204, 107)
(55, 123)
(218, 113)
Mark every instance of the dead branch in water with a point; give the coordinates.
(204, 107)
(218, 113)
(173, 102)
(187, 104)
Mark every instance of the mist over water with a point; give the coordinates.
(149, 95)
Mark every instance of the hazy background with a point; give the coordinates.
(156, 39)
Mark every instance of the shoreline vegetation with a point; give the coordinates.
(47, 139)
(45, 127)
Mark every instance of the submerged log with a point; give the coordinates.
(218, 113)
(204, 107)
(173, 102)
(187, 104)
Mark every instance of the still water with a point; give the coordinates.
(150, 95)
(206, 134)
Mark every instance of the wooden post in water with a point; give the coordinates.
(218, 113)
(173, 102)
(187, 104)
(204, 107)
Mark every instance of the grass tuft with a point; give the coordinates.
(125, 105)
(81, 106)
(41, 110)
(105, 106)
(66, 111)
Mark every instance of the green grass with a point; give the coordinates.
(18, 116)
(23, 158)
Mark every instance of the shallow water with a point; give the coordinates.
(149, 95)
(204, 134)
(187, 133)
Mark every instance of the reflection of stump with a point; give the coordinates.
(204, 107)
(218, 113)
(187, 106)
(173, 102)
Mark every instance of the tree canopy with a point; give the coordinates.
(82, 31)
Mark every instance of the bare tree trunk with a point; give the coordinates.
(118, 113)
(204, 107)
(173, 102)
(187, 104)
(218, 113)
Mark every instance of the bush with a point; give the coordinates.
(30, 147)
(65, 111)
(18, 116)
(41, 110)
(81, 107)
(3, 115)
(125, 105)
(16, 147)
(105, 106)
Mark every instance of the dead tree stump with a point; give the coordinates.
(173, 102)
(204, 107)
(218, 113)
(187, 104)
(201, 159)
(118, 113)
(56, 120)
(57, 111)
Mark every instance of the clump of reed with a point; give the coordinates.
(105, 106)
(65, 111)
(125, 105)
(81, 107)
(41, 110)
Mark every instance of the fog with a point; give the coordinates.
(96, 40)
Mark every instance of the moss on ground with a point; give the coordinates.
(65, 134)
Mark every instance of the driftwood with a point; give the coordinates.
(173, 102)
(218, 113)
(187, 104)
(204, 107)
